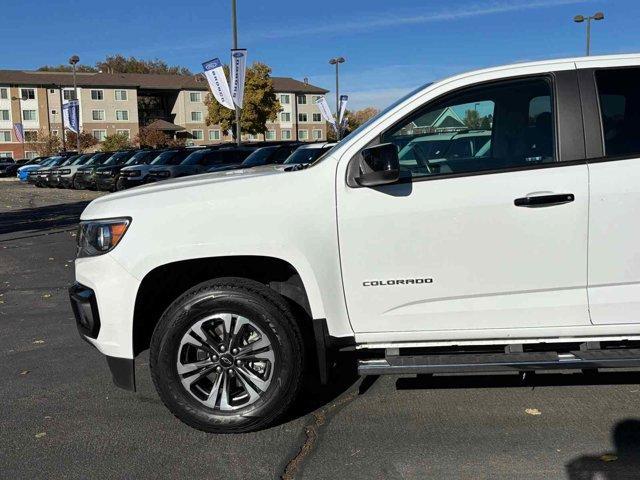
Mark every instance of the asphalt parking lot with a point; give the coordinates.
(62, 417)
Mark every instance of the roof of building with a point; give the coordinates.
(151, 81)
(165, 126)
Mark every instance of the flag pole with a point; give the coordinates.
(234, 23)
(64, 141)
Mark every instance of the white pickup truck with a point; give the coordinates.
(484, 222)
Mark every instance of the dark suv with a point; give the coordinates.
(200, 161)
(273, 154)
(87, 175)
(107, 175)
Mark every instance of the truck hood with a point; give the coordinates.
(184, 186)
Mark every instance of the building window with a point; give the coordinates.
(195, 96)
(270, 135)
(69, 94)
(121, 95)
(54, 133)
(285, 99)
(315, 98)
(125, 132)
(302, 117)
(4, 93)
(97, 115)
(197, 134)
(6, 154)
(29, 115)
(122, 115)
(302, 99)
(30, 155)
(30, 136)
(97, 95)
(99, 134)
(196, 116)
(214, 135)
(5, 136)
(316, 117)
(286, 134)
(303, 134)
(4, 115)
(28, 93)
(285, 116)
(317, 134)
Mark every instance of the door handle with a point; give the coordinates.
(544, 200)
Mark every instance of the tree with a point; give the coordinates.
(45, 143)
(68, 68)
(472, 119)
(358, 117)
(260, 103)
(153, 138)
(118, 63)
(117, 141)
(87, 140)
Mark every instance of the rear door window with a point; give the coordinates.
(619, 97)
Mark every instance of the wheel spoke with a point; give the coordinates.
(206, 338)
(191, 367)
(257, 384)
(212, 399)
(260, 349)
(225, 402)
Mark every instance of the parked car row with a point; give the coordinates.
(111, 171)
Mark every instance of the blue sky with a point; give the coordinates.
(390, 47)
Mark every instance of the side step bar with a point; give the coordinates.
(500, 362)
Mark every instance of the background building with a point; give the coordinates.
(124, 102)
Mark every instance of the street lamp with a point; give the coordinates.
(337, 61)
(582, 18)
(73, 60)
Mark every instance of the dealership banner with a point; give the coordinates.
(238, 70)
(214, 74)
(342, 108)
(325, 111)
(18, 129)
(70, 115)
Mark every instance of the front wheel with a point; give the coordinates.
(227, 356)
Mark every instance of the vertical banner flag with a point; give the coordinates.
(342, 108)
(18, 129)
(325, 111)
(70, 115)
(238, 69)
(214, 74)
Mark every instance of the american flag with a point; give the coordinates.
(19, 131)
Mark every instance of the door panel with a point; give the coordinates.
(492, 264)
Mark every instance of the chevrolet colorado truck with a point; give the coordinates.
(512, 246)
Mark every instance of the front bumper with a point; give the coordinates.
(65, 181)
(105, 182)
(123, 182)
(84, 182)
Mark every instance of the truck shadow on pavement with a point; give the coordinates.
(621, 464)
(36, 219)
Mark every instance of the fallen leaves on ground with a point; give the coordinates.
(24, 372)
(41, 434)
(533, 411)
(38, 342)
(608, 457)
(46, 295)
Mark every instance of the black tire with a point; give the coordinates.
(74, 183)
(266, 309)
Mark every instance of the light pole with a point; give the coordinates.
(582, 18)
(337, 61)
(73, 60)
(234, 28)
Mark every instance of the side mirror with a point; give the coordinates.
(379, 165)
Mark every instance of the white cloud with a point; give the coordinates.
(393, 19)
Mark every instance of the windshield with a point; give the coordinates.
(366, 124)
(304, 155)
(117, 158)
(82, 159)
(170, 157)
(259, 157)
(69, 160)
(140, 157)
(97, 159)
(50, 161)
(195, 157)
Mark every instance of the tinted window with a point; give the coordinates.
(304, 155)
(259, 157)
(620, 110)
(118, 158)
(491, 127)
(171, 157)
(142, 156)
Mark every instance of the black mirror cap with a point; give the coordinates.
(379, 165)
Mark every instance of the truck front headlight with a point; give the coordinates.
(97, 237)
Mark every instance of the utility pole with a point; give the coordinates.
(234, 25)
(582, 18)
(337, 61)
(73, 61)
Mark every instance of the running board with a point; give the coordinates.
(499, 362)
